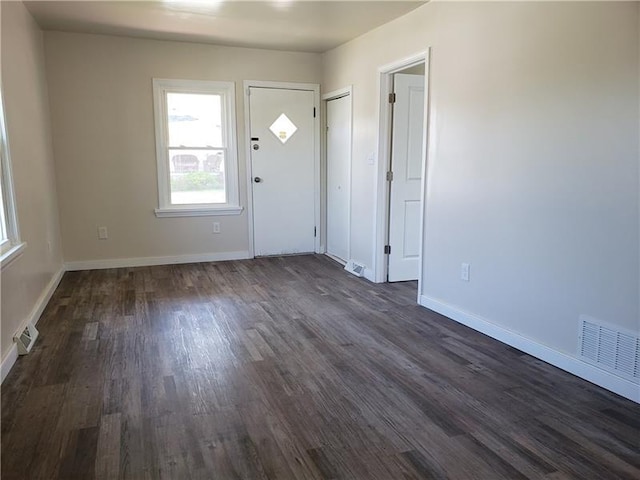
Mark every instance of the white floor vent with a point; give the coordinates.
(355, 268)
(610, 348)
(26, 339)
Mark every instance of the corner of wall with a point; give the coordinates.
(29, 281)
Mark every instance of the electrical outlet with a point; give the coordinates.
(216, 227)
(464, 272)
(103, 234)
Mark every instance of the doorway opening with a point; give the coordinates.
(402, 169)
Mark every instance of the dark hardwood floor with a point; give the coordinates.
(286, 368)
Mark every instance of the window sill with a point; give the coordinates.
(11, 255)
(197, 212)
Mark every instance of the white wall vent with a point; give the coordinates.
(610, 348)
(355, 268)
(26, 339)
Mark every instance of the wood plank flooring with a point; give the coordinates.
(290, 368)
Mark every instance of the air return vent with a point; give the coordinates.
(355, 268)
(26, 339)
(610, 348)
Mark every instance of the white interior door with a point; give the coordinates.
(282, 168)
(406, 164)
(338, 176)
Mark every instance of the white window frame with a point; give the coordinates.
(162, 86)
(11, 247)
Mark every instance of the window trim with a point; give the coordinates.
(162, 86)
(12, 247)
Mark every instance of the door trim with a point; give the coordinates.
(382, 194)
(333, 95)
(315, 88)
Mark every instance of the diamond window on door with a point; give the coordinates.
(283, 128)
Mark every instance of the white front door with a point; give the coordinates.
(282, 169)
(338, 178)
(406, 165)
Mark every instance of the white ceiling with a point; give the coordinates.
(308, 26)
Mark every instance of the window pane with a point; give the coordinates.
(3, 216)
(195, 120)
(283, 128)
(197, 176)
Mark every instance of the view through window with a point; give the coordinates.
(196, 148)
(4, 237)
(10, 244)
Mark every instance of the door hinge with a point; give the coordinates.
(248, 91)
(315, 231)
(389, 176)
(314, 112)
(387, 249)
(392, 98)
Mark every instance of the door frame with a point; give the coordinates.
(382, 194)
(315, 88)
(333, 95)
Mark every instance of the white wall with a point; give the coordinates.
(25, 282)
(533, 177)
(102, 117)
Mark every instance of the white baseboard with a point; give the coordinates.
(33, 317)
(565, 362)
(9, 361)
(335, 259)
(150, 261)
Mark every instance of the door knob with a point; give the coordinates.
(256, 146)
(257, 179)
